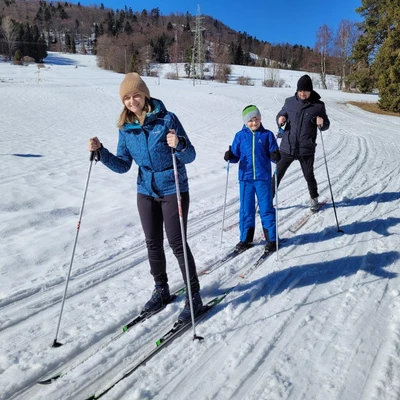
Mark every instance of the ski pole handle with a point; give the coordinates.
(94, 155)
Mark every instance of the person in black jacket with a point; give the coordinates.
(301, 115)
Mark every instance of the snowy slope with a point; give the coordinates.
(320, 322)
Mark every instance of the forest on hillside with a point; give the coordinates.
(128, 39)
(363, 56)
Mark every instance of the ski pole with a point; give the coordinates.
(226, 191)
(279, 136)
(329, 181)
(276, 213)
(189, 289)
(92, 157)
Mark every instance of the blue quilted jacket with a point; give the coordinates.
(147, 146)
(253, 150)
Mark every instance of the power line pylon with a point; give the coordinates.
(196, 70)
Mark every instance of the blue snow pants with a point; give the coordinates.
(247, 213)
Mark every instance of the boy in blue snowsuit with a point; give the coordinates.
(254, 147)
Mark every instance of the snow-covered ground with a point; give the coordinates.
(321, 322)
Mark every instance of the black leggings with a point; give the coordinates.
(307, 166)
(154, 213)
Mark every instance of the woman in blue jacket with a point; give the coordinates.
(147, 132)
(254, 147)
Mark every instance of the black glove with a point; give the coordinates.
(228, 155)
(275, 156)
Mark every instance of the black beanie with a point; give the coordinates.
(305, 83)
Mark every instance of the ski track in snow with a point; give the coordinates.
(322, 322)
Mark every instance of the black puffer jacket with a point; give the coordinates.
(300, 132)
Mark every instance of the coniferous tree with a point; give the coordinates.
(160, 49)
(41, 49)
(387, 66)
(73, 46)
(128, 28)
(375, 53)
(367, 45)
(28, 42)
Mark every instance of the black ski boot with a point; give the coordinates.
(314, 205)
(270, 247)
(159, 298)
(185, 315)
(242, 246)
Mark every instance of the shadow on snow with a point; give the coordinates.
(379, 226)
(28, 155)
(56, 60)
(317, 273)
(385, 197)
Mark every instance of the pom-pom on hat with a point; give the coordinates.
(305, 83)
(250, 112)
(133, 83)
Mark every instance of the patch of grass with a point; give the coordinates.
(372, 107)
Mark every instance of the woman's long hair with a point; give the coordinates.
(128, 116)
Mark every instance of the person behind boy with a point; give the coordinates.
(254, 147)
(301, 115)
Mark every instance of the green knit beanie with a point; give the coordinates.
(250, 112)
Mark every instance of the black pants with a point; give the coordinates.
(307, 166)
(154, 213)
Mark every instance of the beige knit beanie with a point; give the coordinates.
(133, 83)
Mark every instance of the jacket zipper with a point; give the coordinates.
(253, 155)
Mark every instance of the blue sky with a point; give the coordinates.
(284, 21)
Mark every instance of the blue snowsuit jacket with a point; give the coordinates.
(300, 135)
(147, 146)
(253, 150)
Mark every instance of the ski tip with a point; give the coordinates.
(179, 292)
(49, 380)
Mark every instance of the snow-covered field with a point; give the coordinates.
(321, 322)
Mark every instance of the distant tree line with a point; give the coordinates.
(363, 56)
(127, 40)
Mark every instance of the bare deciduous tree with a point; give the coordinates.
(323, 46)
(266, 55)
(10, 34)
(110, 56)
(346, 36)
